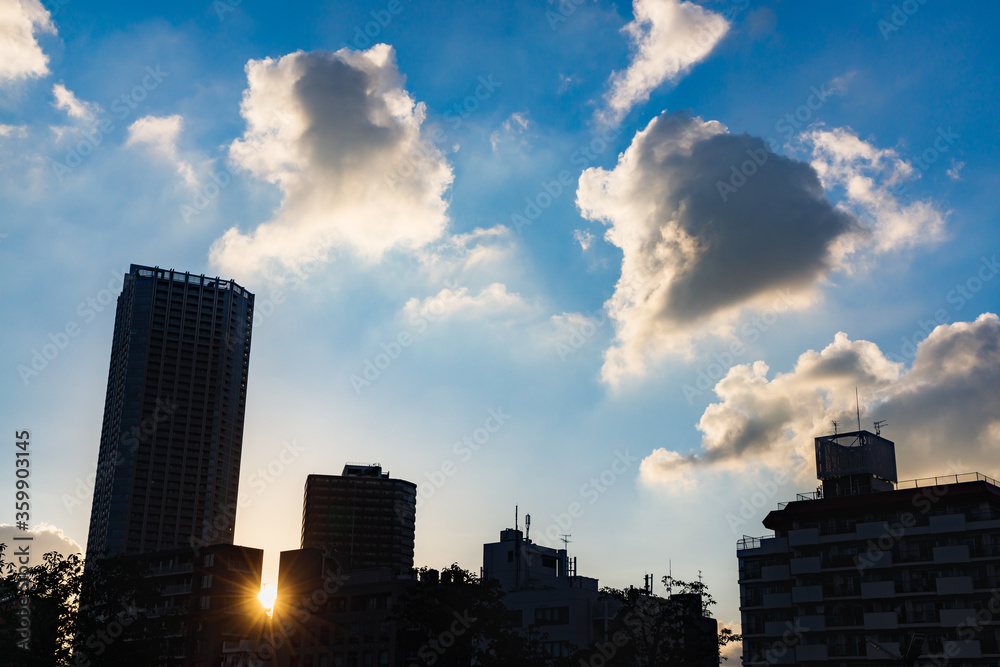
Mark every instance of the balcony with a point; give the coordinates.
(177, 589)
(872, 530)
(811, 623)
(968, 649)
(802, 594)
(955, 554)
(809, 565)
(810, 652)
(768, 544)
(777, 601)
(954, 585)
(882, 651)
(953, 618)
(803, 536)
(947, 523)
(171, 569)
(877, 589)
(775, 573)
(881, 620)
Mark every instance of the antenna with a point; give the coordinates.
(565, 539)
(834, 427)
(857, 403)
(515, 517)
(878, 426)
(527, 527)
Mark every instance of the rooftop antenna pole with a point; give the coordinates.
(515, 517)
(857, 403)
(835, 427)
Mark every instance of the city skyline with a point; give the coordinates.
(614, 263)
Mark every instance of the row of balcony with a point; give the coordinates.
(869, 590)
(782, 655)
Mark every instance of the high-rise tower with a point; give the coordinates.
(169, 460)
(363, 518)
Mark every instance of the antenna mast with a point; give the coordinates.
(857, 403)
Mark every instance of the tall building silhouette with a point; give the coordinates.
(169, 461)
(362, 518)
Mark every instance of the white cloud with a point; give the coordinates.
(696, 255)
(335, 132)
(19, 131)
(513, 128)
(160, 134)
(20, 55)
(869, 177)
(85, 112)
(45, 538)
(480, 250)
(942, 412)
(664, 466)
(955, 172)
(669, 37)
(583, 237)
(494, 300)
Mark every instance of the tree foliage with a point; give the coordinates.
(101, 616)
(43, 600)
(653, 631)
(455, 619)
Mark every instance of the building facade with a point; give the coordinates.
(871, 571)
(362, 518)
(212, 595)
(542, 590)
(328, 617)
(171, 439)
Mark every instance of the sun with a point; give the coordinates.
(267, 596)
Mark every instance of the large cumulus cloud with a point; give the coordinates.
(697, 250)
(338, 133)
(943, 412)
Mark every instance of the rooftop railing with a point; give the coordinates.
(749, 542)
(946, 479)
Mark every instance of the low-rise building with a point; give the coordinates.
(542, 589)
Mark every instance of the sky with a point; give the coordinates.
(614, 264)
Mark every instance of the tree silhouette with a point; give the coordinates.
(653, 631)
(456, 619)
(100, 617)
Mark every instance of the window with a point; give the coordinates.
(205, 600)
(206, 581)
(552, 616)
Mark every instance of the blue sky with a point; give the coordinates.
(667, 235)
